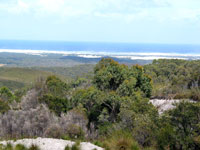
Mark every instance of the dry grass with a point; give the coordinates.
(121, 141)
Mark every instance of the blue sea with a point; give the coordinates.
(99, 47)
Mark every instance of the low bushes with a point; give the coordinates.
(18, 147)
(121, 140)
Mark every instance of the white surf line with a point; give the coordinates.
(93, 54)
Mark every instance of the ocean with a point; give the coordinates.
(97, 49)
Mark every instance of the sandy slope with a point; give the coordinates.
(51, 144)
(163, 104)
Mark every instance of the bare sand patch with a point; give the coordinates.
(51, 144)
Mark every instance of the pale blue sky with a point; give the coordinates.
(137, 21)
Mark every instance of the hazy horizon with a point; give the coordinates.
(119, 21)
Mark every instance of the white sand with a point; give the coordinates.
(1, 65)
(164, 105)
(51, 144)
(93, 54)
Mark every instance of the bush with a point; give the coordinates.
(121, 140)
(76, 146)
(55, 104)
(54, 131)
(6, 94)
(20, 147)
(34, 147)
(180, 127)
(75, 131)
(67, 147)
(7, 147)
(4, 107)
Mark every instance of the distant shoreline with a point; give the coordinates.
(94, 54)
(1, 65)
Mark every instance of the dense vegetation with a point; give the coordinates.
(175, 78)
(111, 108)
(16, 78)
(54, 60)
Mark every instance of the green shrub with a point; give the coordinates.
(34, 147)
(6, 94)
(76, 146)
(20, 147)
(75, 132)
(8, 147)
(56, 104)
(121, 140)
(98, 143)
(67, 147)
(4, 107)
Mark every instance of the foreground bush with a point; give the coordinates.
(121, 141)
(18, 147)
(76, 146)
(180, 127)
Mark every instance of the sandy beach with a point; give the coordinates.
(1, 65)
(92, 54)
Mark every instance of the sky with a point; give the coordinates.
(132, 21)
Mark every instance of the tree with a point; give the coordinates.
(56, 87)
(55, 104)
(91, 99)
(4, 107)
(109, 74)
(184, 123)
(6, 94)
(112, 76)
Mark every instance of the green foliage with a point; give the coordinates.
(67, 147)
(175, 78)
(121, 140)
(16, 78)
(6, 94)
(78, 82)
(9, 146)
(144, 129)
(165, 135)
(4, 107)
(54, 95)
(127, 88)
(180, 128)
(56, 104)
(56, 86)
(116, 109)
(91, 99)
(20, 147)
(109, 75)
(34, 147)
(139, 117)
(75, 132)
(75, 146)
(119, 96)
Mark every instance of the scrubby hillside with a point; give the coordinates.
(177, 79)
(111, 109)
(15, 78)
